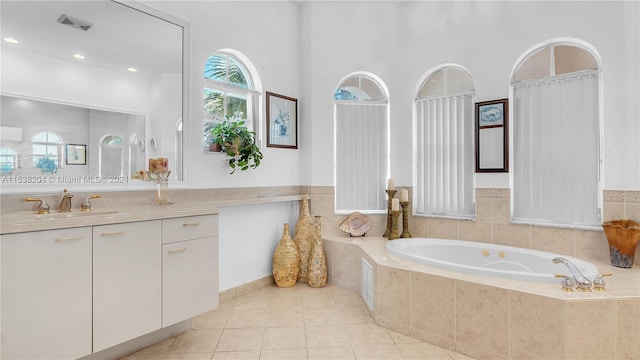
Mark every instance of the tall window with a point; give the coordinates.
(111, 156)
(230, 92)
(555, 136)
(47, 151)
(361, 118)
(444, 144)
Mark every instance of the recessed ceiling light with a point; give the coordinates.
(132, 69)
(78, 56)
(11, 40)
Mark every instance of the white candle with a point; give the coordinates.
(404, 195)
(395, 204)
(391, 186)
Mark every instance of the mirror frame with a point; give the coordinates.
(38, 186)
(482, 124)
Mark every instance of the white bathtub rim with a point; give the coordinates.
(589, 269)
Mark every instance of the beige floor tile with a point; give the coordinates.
(194, 341)
(246, 318)
(240, 339)
(320, 299)
(284, 354)
(423, 351)
(277, 302)
(355, 315)
(332, 353)
(367, 334)
(284, 317)
(348, 299)
(236, 355)
(326, 315)
(142, 357)
(215, 319)
(284, 338)
(251, 302)
(326, 335)
(190, 356)
(377, 352)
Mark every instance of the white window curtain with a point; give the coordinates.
(361, 156)
(556, 151)
(110, 160)
(445, 156)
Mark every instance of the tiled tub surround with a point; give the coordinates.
(492, 318)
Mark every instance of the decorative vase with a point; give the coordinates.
(285, 261)
(623, 237)
(303, 236)
(317, 263)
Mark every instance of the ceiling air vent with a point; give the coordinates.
(75, 23)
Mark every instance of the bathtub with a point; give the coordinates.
(487, 259)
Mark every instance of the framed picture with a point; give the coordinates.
(282, 121)
(492, 143)
(76, 154)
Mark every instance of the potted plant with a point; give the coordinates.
(238, 143)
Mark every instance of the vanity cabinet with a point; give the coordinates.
(189, 267)
(127, 284)
(46, 294)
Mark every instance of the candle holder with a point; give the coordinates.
(394, 225)
(161, 179)
(405, 220)
(390, 195)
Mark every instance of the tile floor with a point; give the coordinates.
(292, 323)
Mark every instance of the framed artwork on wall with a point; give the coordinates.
(282, 121)
(492, 143)
(76, 154)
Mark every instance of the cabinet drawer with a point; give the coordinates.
(187, 228)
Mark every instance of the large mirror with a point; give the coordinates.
(90, 91)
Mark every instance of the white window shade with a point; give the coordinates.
(445, 156)
(556, 151)
(361, 156)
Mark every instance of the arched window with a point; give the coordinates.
(555, 135)
(231, 91)
(361, 157)
(111, 156)
(8, 159)
(443, 137)
(47, 151)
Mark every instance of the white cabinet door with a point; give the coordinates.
(46, 294)
(126, 282)
(190, 279)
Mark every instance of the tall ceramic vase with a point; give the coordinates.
(285, 261)
(317, 262)
(303, 237)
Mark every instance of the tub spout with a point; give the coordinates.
(582, 282)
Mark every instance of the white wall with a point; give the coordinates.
(400, 41)
(265, 32)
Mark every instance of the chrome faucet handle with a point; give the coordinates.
(598, 283)
(86, 204)
(567, 283)
(43, 207)
(582, 282)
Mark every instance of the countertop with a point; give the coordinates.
(27, 221)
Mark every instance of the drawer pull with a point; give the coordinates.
(115, 233)
(69, 238)
(191, 224)
(176, 251)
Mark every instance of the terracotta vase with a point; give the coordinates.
(285, 261)
(317, 262)
(303, 237)
(623, 237)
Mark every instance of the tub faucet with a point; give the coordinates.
(582, 282)
(65, 204)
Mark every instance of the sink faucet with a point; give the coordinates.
(65, 204)
(582, 282)
(43, 208)
(86, 204)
